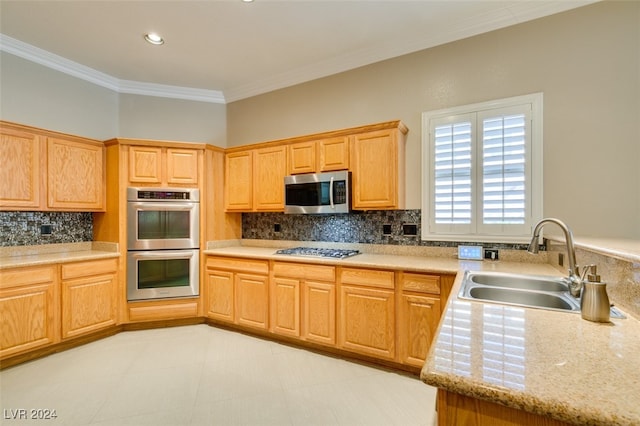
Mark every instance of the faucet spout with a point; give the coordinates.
(575, 283)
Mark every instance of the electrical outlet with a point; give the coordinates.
(45, 229)
(386, 229)
(491, 254)
(560, 259)
(277, 227)
(410, 229)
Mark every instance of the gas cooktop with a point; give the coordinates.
(319, 252)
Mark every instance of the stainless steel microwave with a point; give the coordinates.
(318, 193)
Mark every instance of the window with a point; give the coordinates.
(482, 171)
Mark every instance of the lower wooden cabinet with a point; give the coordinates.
(319, 312)
(89, 296)
(384, 314)
(419, 318)
(303, 301)
(237, 291)
(367, 314)
(252, 300)
(29, 309)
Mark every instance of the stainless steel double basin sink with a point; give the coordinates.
(530, 291)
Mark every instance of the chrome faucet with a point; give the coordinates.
(575, 282)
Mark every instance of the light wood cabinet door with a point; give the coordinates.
(285, 306)
(22, 162)
(367, 321)
(145, 165)
(302, 158)
(319, 317)
(374, 165)
(220, 295)
(270, 168)
(89, 296)
(182, 166)
(334, 154)
(252, 300)
(419, 318)
(29, 309)
(75, 175)
(239, 181)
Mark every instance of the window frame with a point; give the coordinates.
(533, 171)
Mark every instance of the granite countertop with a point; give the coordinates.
(550, 363)
(21, 256)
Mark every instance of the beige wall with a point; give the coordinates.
(585, 61)
(149, 117)
(38, 96)
(41, 97)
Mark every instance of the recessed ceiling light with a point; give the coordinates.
(247, 1)
(154, 38)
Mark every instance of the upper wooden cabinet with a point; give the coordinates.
(152, 165)
(44, 170)
(255, 179)
(319, 156)
(377, 166)
(76, 175)
(238, 183)
(373, 153)
(270, 168)
(22, 161)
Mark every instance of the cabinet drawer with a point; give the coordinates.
(421, 283)
(305, 272)
(367, 277)
(26, 276)
(84, 269)
(239, 265)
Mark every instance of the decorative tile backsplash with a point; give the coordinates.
(357, 227)
(25, 228)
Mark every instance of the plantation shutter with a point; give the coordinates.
(504, 170)
(452, 210)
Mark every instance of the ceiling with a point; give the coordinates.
(228, 50)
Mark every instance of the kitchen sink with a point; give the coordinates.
(525, 298)
(530, 291)
(522, 282)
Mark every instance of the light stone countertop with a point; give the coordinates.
(550, 363)
(48, 254)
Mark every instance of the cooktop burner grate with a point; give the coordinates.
(319, 252)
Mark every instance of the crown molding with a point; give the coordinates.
(58, 63)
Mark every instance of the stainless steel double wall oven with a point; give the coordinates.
(163, 243)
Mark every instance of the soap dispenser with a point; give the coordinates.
(594, 304)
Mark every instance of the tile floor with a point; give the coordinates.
(201, 375)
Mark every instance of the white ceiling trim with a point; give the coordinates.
(58, 63)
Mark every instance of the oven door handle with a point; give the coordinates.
(163, 254)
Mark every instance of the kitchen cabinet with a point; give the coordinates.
(419, 315)
(43, 170)
(237, 291)
(166, 166)
(89, 296)
(377, 168)
(75, 175)
(23, 161)
(29, 307)
(367, 312)
(239, 181)
(270, 168)
(455, 409)
(255, 179)
(319, 156)
(303, 302)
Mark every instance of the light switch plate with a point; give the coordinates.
(470, 252)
